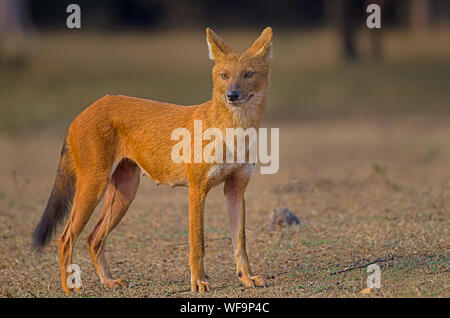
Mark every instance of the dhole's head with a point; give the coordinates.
(240, 78)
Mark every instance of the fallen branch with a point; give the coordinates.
(378, 260)
(32, 294)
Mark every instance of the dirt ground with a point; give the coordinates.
(364, 189)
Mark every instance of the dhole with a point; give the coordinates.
(117, 137)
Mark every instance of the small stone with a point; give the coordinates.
(283, 217)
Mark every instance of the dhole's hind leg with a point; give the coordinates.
(120, 193)
(88, 193)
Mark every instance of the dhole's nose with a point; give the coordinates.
(233, 96)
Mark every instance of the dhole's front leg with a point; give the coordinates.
(196, 239)
(234, 192)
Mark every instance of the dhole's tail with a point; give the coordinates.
(59, 203)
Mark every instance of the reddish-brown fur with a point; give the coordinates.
(135, 135)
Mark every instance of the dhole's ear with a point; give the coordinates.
(262, 47)
(217, 47)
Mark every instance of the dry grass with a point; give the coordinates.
(363, 190)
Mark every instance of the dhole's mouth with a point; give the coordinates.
(240, 102)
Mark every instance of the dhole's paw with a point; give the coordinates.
(253, 281)
(69, 291)
(78, 290)
(200, 286)
(115, 283)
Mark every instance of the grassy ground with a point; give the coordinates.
(364, 164)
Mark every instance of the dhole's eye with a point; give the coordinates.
(248, 74)
(224, 76)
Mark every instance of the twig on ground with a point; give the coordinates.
(378, 260)
(31, 294)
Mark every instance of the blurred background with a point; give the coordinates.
(327, 64)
